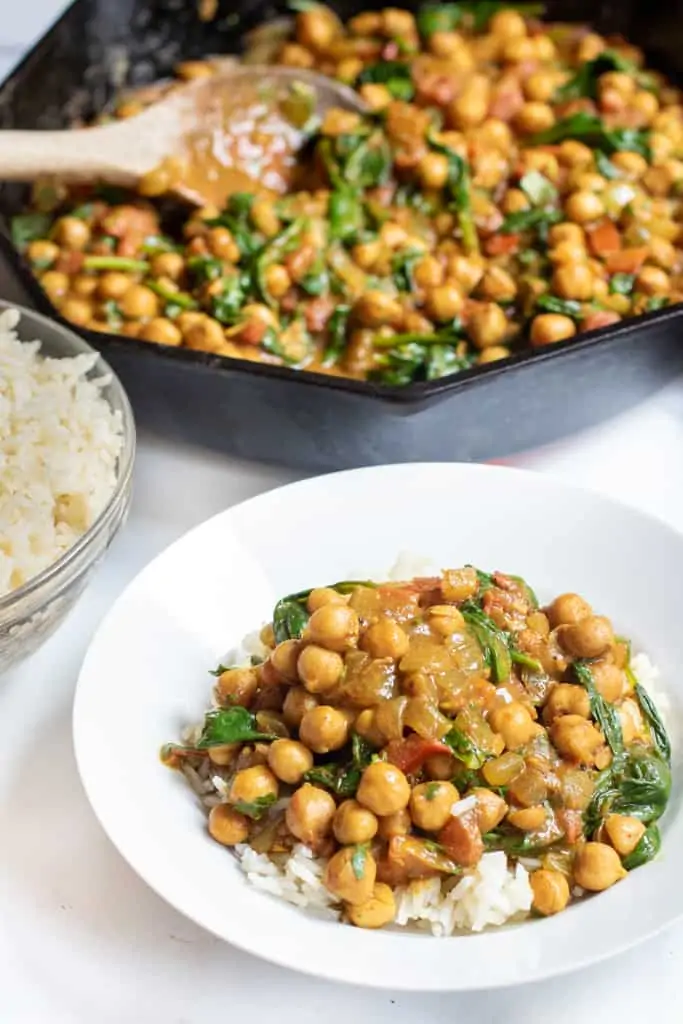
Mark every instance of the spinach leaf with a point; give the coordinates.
(345, 213)
(336, 335)
(538, 189)
(464, 749)
(604, 713)
(124, 263)
(226, 305)
(236, 217)
(255, 809)
(343, 778)
(529, 592)
(525, 220)
(28, 227)
(552, 304)
(516, 845)
(590, 129)
(458, 190)
(485, 579)
(181, 299)
(621, 284)
(413, 357)
(205, 268)
(656, 302)
(393, 74)
(290, 616)
(638, 785)
(82, 212)
(155, 244)
(358, 860)
(402, 266)
(112, 314)
(585, 81)
(605, 166)
(230, 725)
(433, 18)
(492, 640)
(520, 658)
(660, 736)
(646, 850)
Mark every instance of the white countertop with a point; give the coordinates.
(83, 940)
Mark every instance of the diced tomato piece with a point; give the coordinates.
(571, 823)
(604, 238)
(627, 261)
(411, 753)
(461, 838)
(601, 318)
(499, 245)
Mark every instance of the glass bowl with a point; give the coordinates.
(31, 613)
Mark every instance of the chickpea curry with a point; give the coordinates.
(403, 730)
(514, 183)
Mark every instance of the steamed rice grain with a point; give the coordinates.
(59, 447)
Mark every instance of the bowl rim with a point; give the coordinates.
(125, 462)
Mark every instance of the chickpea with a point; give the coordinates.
(84, 285)
(162, 332)
(72, 233)
(383, 789)
(317, 27)
(309, 814)
(498, 285)
(168, 264)
(591, 637)
(324, 728)
(139, 302)
(385, 639)
(366, 726)
(440, 766)
(289, 760)
(350, 875)
(334, 626)
(609, 680)
(624, 832)
(375, 309)
(78, 311)
(430, 804)
(566, 699)
(368, 23)
(576, 739)
(252, 784)
(508, 24)
(319, 669)
(205, 335)
(653, 281)
(379, 910)
(277, 280)
(237, 686)
(597, 867)
(551, 891)
(573, 153)
(487, 326)
(528, 819)
(444, 302)
(294, 56)
(469, 109)
(583, 206)
(518, 50)
(514, 201)
(662, 253)
(590, 47)
(354, 823)
(223, 245)
(566, 232)
(227, 826)
(646, 103)
(428, 272)
(535, 117)
(375, 95)
(264, 218)
(467, 271)
(433, 170)
(297, 703)
(284, 660)
(541, 86)
(630, 721)
(549, 328)
(42, 253)
(633, 165)
(491, 809)
(588, 181)
(568, 609)
(514, 723)
(573, 281)
(397, 824)
(55, 284)
(446, 619)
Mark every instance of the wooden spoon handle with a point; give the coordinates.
(83, 154)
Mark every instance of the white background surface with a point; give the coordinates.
(82, 940)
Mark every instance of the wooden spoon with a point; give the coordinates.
(239, 130)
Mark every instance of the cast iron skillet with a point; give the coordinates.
(310, 420)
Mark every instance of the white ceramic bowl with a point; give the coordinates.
(148, 664)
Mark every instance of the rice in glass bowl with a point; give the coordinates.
(67, 445)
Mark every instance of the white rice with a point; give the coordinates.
(59, 446)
